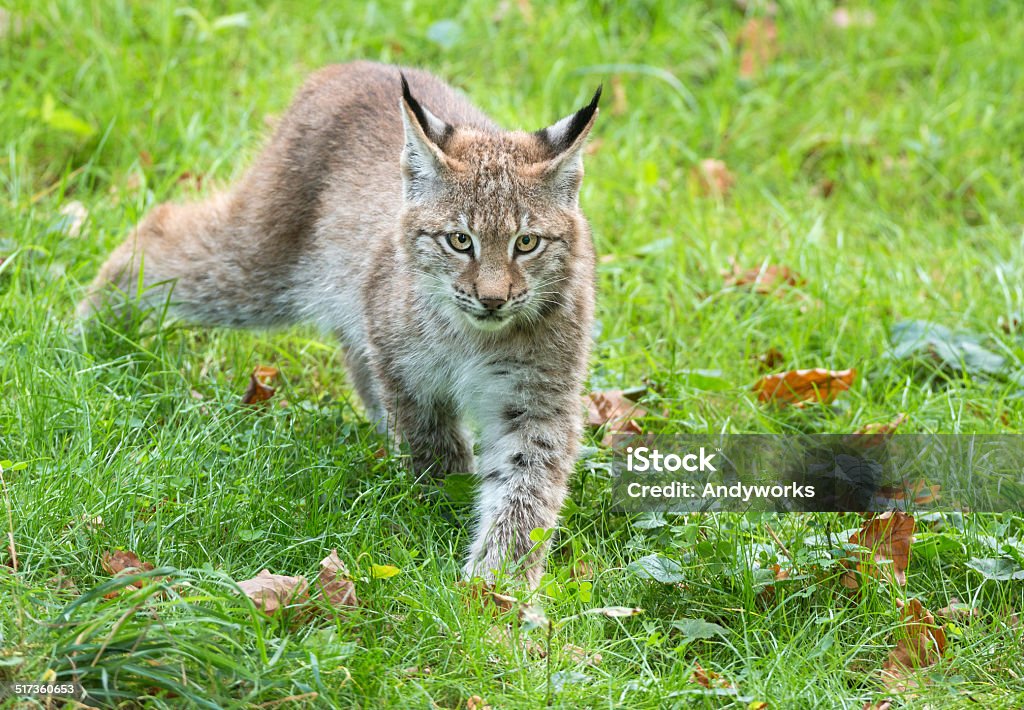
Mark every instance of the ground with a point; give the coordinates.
(876, 153)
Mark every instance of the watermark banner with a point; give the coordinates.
(821, 472)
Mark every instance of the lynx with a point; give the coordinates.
(450, 258)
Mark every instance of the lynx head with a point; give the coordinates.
(492, 222)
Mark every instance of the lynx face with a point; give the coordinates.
(491, 220)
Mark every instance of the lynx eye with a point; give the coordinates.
(527, 243)
(459, 241)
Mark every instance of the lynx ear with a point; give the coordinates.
(565, 140)
(423, 160)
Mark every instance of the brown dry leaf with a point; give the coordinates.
(888, 538)
(259, 385)
(882, 427)
(923, 644)
(918, 491)
(878, 433)
(335, 586)
(713, 178)
(486, 592)
(475, 702)
(800, 387)
(615, 412)
(758, 42)
(770, 359)
(708, 679)
(620, 104)
(769, 279)
(580, 655)
(271, 592)
(123, 562)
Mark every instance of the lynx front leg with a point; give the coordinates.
(437, 442)
(529, 449)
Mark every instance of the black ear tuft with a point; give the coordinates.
(436, 130)
(563, 134)
(414, 105)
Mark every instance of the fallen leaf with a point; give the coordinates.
(887, 538)
(918, 491)
(620, 105)
(768, 279)
(800, 387)
(758, 42)
(123, 562)
(922, 644)
(486, 592)
(335, 586)
(383, 571)
(770, 359)
(259, 385)
(880, 431)
(615, 412)
(271, 592)
(713, 178)
(708, 679)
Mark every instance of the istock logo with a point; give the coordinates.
(643, 459)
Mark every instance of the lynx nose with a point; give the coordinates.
(492, 303)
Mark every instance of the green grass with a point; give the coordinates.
(918, 122)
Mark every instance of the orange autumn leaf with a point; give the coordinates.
(758, 42)
(918, 491)
(612, 410)
(123, 562)
(887, 538)
(800, 387)
(259, 385)
(708, 679)
(922, 644)
(877, 433)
